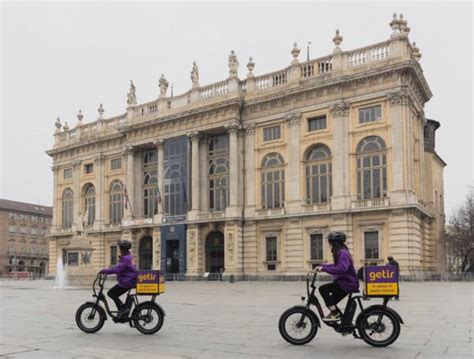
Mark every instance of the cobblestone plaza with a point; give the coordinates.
(223, 320)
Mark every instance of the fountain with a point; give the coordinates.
(61, 275)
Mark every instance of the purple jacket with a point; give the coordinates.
(126, 271)
(343, 271)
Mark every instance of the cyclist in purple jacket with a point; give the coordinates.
(126, 272)
(344, 276)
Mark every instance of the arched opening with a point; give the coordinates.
(42, 269)
(21, 266)
(215, 252)
(145, 253)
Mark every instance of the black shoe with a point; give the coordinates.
(122, 313)
(332, 317)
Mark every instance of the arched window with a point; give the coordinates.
(150, 194)
(176, 200)
(273, 181)
(218, 184)
(371, 168)
(116, 201)
(318, 175)
(67, 208)
(89, 203)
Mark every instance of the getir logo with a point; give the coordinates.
(382, 274)
(147, 277)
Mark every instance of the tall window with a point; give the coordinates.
(89, 203)
(89, 168)
(371, 245)
(218, 156)
(175, 176)
(67, 173)
(34, 230)
(273, 181)
(113, 255)
(150, 194)
(272, 133)
(371, 168)
(67, 208)
(370, 114)
(116, 201)
(271, 249)
(316, 246)
(318, 175)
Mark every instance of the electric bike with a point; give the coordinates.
(147, 317)
(377, 325)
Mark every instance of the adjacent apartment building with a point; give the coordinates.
(24, 228)
(248, 175)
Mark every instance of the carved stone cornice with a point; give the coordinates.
(293, 118)
(400, 97)
(340, 109)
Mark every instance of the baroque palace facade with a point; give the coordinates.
(248, 176)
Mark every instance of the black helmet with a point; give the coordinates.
(124, 244)
(337, 237)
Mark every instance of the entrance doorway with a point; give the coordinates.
(145, 253)
(215, 252)
(172, 256)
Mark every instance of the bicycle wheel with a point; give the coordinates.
(90, 317)
(378, 327)
(148, 318)
(298, 325)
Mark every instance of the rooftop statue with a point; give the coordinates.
(131, 97)
(195, 75)
(233, 64)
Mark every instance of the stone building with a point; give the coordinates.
(24, 228)
(248, 175)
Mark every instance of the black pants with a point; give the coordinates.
(332, 293)
(115, 292)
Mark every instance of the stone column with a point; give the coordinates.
(294, 193)
(250, 170)
(76, 221)
(99, 163)
(397, 100)
(340, 176)
(234, 171)
(195, 180)
(161, 156)
(204, 171)
(130, 181)
(56, 206)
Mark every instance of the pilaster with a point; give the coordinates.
(294, 193)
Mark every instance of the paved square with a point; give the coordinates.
(223, 320)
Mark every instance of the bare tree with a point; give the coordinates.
(461, 232)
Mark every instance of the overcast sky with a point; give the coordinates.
(58, 58)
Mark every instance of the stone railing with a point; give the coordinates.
(274, 79)
(316, 67)
(370, 203)
(340, 63)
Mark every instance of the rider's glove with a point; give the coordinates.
(318, 269)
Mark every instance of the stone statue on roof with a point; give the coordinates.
(131, 96)
(195, 75)
(233, 64)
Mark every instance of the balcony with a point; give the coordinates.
(370, 203)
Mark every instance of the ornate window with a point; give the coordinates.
(371, 245)
(371, 168)
(317, 123)
(370, 114)
(271, 252)
(218, 156)
(316, 246)
(273, 181)
(116, 201)
(89, 203)
(115, 164)
(67, 208)
(175, 190)
(318, 175)
(271, 133)
(150, 194)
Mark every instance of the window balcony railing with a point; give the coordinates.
(370, 203)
